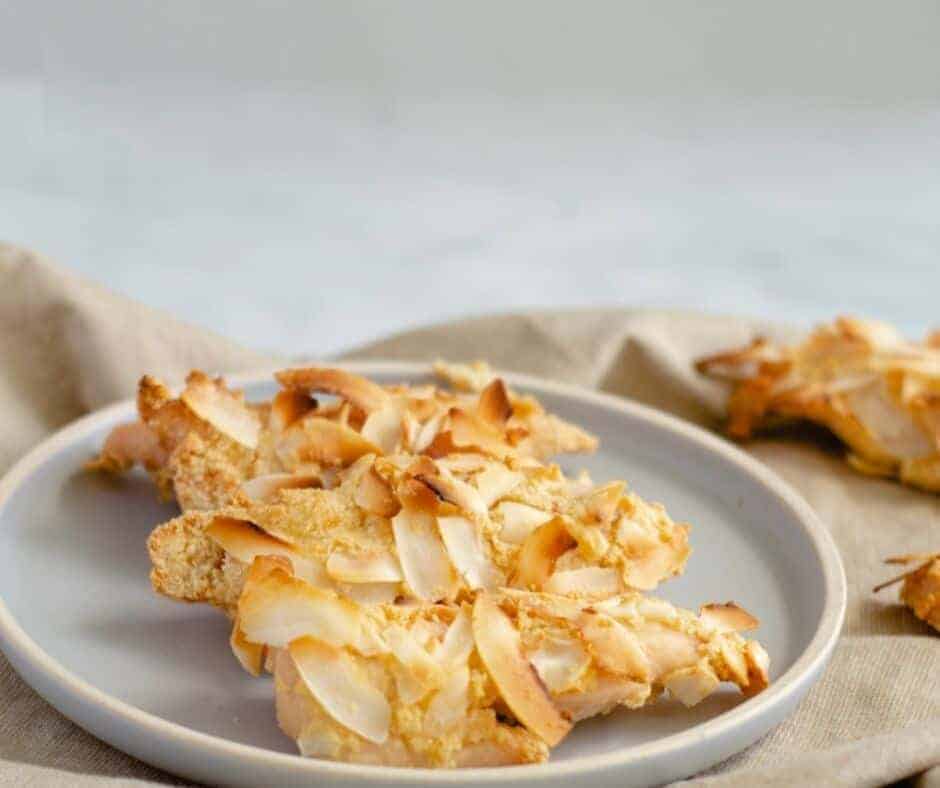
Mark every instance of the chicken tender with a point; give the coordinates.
(879, 393)
(406, 527)
(201, 446)
(497, 681)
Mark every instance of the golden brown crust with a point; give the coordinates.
(190, 567)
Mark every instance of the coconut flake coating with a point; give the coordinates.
(415, 528)
(497, 681)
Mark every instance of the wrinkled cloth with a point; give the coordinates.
(68, 347)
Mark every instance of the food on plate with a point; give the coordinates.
(406, 527)
(425, 588)
(203, 445)
(920, 585)
(879, 393)
(496, 680)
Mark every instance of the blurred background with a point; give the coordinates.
(305, 176)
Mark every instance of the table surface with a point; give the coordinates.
(306, 178)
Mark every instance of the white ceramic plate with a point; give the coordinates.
(155, 678)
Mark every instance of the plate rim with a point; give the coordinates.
(37, 667)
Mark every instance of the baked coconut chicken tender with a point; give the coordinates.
(496, 681)
(407, 527)
(879, 393)
(201, 446)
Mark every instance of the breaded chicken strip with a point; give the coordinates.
(411, 527)
(497, 681)
(879, 393)
(201, 446)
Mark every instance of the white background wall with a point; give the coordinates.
(304, 176)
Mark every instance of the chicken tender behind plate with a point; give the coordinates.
(879, 393)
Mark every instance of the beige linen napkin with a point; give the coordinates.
(67, 347)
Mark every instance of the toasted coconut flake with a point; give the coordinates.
(287, 407)
(602, 502)
(729, 617)
(469, 431)
(360, 391)
(263, 488)
(340, 685)
(495, 482)
(242, 540)
(465, 548)
(464, 463)
(277, 608)
(592, 544)
(466, 377)
(424, 562)
(221, 408)
(422, 466)
(667, 649)
(540, 551)
(427, 432)
(494, 405)
(443, 446)
(735, 662)
(457, 644)
(499, 646)
(316, 440)
(409, 430)
(758, 666)
(591, 581)
(519, 520)
(374, 494)
(362, 568)
(384, 429)
(656, 610)
(691, 686)
(560, 663)
(647, 572)
(249, 655)
(615, 648)
(370, 593)
(451, 489)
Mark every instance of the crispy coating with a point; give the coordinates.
(879, 393)
(188, 566)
